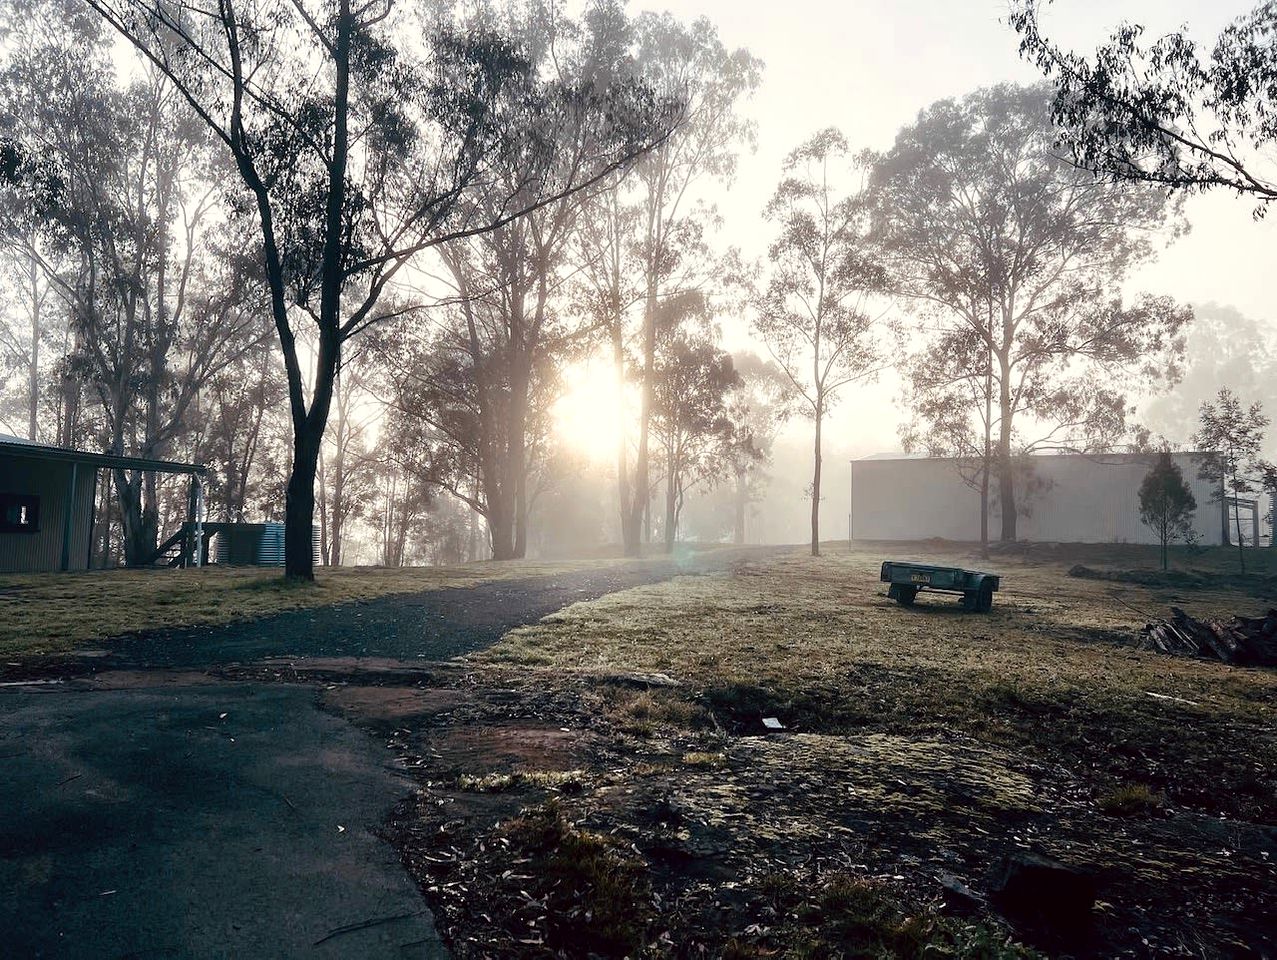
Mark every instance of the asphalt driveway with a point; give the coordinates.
(229, 820)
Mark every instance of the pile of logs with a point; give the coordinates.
(1246, 641)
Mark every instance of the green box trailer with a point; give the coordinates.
(907, 578)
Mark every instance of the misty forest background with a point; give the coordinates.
(462, 272)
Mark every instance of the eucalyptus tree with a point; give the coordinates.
(607, 291)
(406, 494)
(647, 241)
(1167, 113)
(693, 383)
(1166, 503)
(237, 428)
(814, 313)
(49, 43)
(119, 218)
(1015, 260)
(485, 413)
(509, 327)
(346, 462)
(757, 407)
(355, 131)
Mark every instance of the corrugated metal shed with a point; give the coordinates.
(1077, 498)
(47, 496)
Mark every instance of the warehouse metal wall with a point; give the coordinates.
(48, 480)
(1080, 500)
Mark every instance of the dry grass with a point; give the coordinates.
(53, 612)
(1051, 670)
(645, 713)
(1129, 800)
(917, 741)
(594, 893)
(844, 915)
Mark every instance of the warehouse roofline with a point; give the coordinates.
(1116, 457)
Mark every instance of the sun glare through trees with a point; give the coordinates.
(583, 479)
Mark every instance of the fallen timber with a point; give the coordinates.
(1244, 641)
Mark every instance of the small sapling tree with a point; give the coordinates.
(1166, 503)
(1231, 439)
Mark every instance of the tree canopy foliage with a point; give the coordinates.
(1230, 438)
(361, 135)
(1013, 261)
(1167, 112)
(354, 257)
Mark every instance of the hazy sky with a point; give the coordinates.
(868, 67)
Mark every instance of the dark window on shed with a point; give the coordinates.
(19, 513)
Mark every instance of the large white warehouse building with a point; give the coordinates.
(1075, 498)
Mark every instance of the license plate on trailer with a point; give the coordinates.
(920, 577)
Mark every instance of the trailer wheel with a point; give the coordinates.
(984, 598)
(902, 594)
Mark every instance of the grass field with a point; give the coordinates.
(816, 642)
(48, 613)
(601, 782)
(919, 742)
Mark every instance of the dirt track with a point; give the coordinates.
(435, 625)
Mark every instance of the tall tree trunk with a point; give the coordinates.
(1237, 517)
(1006, 468)
(139, 523)
(987, 465)
(299, 502)
(308, 425)
(337, 510)
(815, 481)
(642, 486)
(501, 530)
(308, 435)
(984, 510)
(106, 511)
(742, 501)
(325, 550)
(472, 547)
(625, 493)
(521, 519)
(500, 515)
(517, 462)
(671, 508)
(33, 370)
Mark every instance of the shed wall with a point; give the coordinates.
(48, 480)
(1081, 500)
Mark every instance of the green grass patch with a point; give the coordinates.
(46, 613)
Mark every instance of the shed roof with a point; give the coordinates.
(28, 449)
